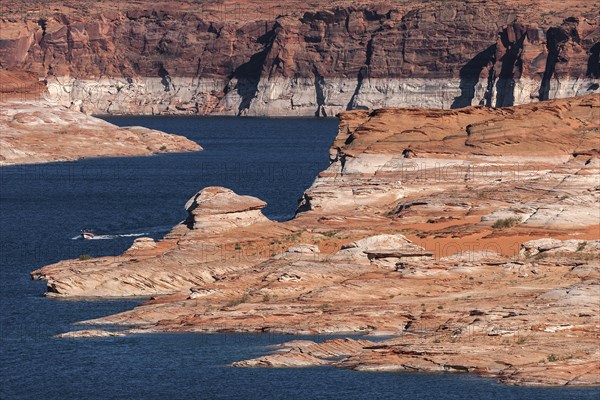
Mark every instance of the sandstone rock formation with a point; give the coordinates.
(380, 249)
(298, 58)
(212, 212)
(216, 209)
(470, 236)
(36, 133)
(402, 355)
(305, 353)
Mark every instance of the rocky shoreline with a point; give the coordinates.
(468, 236)
(36, 132)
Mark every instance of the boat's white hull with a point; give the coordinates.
(87, 235)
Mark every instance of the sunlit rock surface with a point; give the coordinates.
(470, 237)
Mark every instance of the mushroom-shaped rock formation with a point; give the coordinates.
(216, 209)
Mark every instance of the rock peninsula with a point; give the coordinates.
(468, 238)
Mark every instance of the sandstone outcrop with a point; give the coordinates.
(215, 209)
(545, 247)
(470, 237)
(380, 250)
(191, 245)
(89, 333)
(402, 355)
(305, 353)
(36, 133)
(296, 58)
(283, 361)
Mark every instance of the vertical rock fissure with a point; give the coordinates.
(363, 73)
(552, 45)
(593, 67)
(199, 68)
(469, 76)
(69, 53)
(248, 74)
(489, 91)
(320, 96)
(511, 70)
(165, 79)
(43, 23)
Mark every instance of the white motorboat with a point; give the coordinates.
(87, 234)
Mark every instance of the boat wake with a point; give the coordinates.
(108, 237)
(148, 231)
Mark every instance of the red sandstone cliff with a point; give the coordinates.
(300, 58)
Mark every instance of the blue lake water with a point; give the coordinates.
(43, 207)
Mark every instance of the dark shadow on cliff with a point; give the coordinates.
(593, 67)
(319, 83)
(189, 220)
(249, 73)
(363, 73)
(512, 68)
(555, 38)
(469, 76)
(165, 78)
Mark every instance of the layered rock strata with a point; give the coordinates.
(303, 59)
(471, 237)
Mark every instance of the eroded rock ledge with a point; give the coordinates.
(468, 236)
